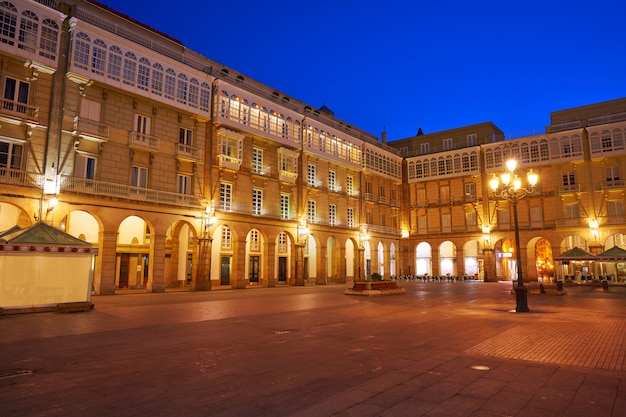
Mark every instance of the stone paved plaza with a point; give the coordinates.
(441, 349)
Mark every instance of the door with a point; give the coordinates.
(282, 269)
(254, 269)
(124, 261)
(189, 267)
(145, 270)
(225, 271)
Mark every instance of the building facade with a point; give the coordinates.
(183, 173)
(187, 174)
(458, 226)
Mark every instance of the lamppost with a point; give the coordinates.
(508, 186)
(363, 237)
(208, 219)
(303, 233)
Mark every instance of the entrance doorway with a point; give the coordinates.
(254, 269)
(225, 271)
(124, 265)
(282, 269)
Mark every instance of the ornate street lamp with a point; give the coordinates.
(302, 236)
(363, 238)
(206, 242)
(508, 186)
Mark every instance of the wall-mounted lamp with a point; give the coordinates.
(52, 203)
(303, 230)
(209, 220)
(363, 236)
(594, 226)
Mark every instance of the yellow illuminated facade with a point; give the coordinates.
(186, 174)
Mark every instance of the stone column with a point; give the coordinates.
(109, 262)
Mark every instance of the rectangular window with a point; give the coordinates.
(470, 220)
(139, 176)
(257, 160)
(90, 109)
(420, 195)
(350, 217)
(184, 184)
(446, 222)
(422, 225)
(11, 155)
(142, 124)
(225, 196)
(332, 180)
(444, 194)
(615, 208)
(571, 211)
(84, 166)
(381, 191)
(332, 214)
(285, 211)
(231, 148)
(185, 136)
(569, 178)
(471, 139)
(447, 144)
(424, 148)
(612, 174)
(350, 185)
(15, 95)
(536, 217)
(257, 202)
(470, 191)
(311, 175)
(504, 219)
(312, 211)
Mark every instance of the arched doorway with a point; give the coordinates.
(133, 250)
(423, 259)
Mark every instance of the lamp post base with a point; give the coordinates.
(521, 300)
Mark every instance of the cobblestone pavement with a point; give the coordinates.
(443, 349)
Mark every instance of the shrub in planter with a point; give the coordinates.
(376, 277)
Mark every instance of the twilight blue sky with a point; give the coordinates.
(399, 65)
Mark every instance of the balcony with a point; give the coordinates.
(20, 110)
(370, 197)
(609, 118)
(229, 162)
(188, 152)
(114, 190)
(287, 176)
(560, 127)
(611, 184)
(143, 141)
(20, 178)
(91, 129)
(569, 189)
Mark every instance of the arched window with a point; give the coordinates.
(129, 71)
(29, 29)
(194, 92)
(170, 83)
(49, 39)
(181, 90)
(8, 23)
(98, 57)
(82, 46)
(114, 69)
(143, 75)
(157, 79)
(226, 238)
(205, 96)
